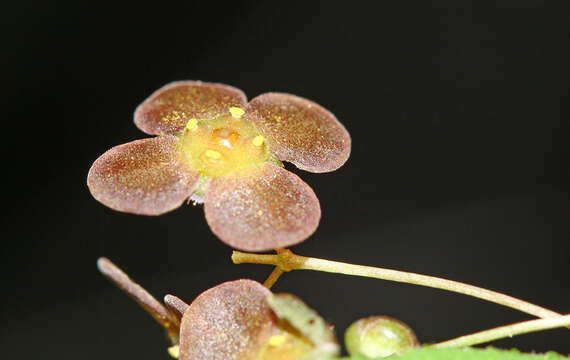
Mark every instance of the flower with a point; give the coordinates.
(238, 319)
(242, 319)
(214, 147)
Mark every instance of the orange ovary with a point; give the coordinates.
(225, 138)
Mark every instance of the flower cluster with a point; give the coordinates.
(215, 147)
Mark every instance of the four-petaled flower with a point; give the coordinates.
(215, 147)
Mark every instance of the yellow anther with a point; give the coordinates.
(259, 212)
(212, 154)
(174, 351)
(192, 124)
(258, 140)
(237, 112)
(277, 340)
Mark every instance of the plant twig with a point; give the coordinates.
(287, 261)
(506, 331)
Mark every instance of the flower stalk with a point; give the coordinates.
(272, 279)
(285, 260)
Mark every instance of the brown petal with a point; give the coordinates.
(170, 323)
(230, 321)
(300, 131)
(168, 109)
(176, 306)
(146, 177)
(261, 208)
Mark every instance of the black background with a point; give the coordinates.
(459, 168)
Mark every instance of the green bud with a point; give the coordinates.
(378, 336)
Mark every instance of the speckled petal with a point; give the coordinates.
(261, 208)
(176, 306)
(228, 322)
(168, 109)
(300, 131)
(146, 177)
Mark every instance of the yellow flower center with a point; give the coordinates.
(285, 346)
(223, 144)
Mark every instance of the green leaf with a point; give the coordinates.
(431, 353)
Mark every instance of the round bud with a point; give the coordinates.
(378, 336)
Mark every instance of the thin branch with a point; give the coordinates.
(506, 331)
(287, 261)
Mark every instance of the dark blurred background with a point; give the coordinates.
(459, 167)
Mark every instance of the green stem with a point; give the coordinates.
(287, 261)
(506, 331)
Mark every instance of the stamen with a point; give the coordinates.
(237, 112)
(174, 351)
(277, 340)
(212, 154)
(192, 124)
(258, 140)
